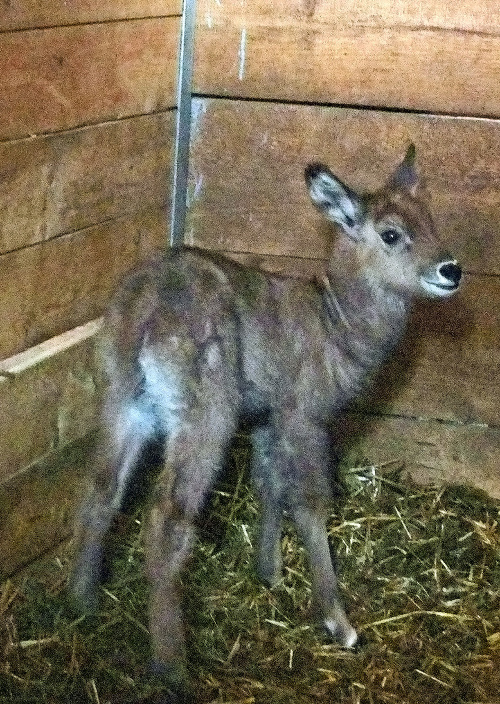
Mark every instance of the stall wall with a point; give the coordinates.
(352, 84)
(87, 113)
(87, 131)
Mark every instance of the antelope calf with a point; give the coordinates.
(194, 343)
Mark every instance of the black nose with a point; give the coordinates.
(451, 271)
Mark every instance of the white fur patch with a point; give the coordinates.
(162, 391)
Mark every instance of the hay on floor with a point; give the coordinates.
(419, 570)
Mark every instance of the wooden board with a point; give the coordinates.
(37, 507)
(482, 16)
(49, 398)
(431, 56)
(62, 77)
(54, 286)
(61, 183)
(448, 365)
(43, 13)
(430, 451)
(247, 190)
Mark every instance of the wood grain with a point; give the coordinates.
(47, 406)
(38, 506)
(42, 13)
(421, 56)
(247, 191)
(482, 16)
(56, 285)
(61, 77)
(434, 452)
(65, 182)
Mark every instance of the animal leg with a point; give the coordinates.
(312, 530)
(308, 474)
(120, 446)
(263, 473)
(193, 459)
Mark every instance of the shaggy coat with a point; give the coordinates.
(193, 343)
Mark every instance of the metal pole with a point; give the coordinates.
(183, 125)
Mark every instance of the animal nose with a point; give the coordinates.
(451, 271)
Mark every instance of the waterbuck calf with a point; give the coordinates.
(193, 343)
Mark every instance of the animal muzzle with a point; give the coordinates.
(442, 279)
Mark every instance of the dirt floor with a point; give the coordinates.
(419, 570)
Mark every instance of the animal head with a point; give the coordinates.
(391, 230)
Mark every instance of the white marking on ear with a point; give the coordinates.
(337, 202)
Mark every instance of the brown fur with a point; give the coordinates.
(193, 343)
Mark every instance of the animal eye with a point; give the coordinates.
(390, 236)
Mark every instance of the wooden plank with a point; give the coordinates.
(247, 191)
(422, 56)
(48, 405)
(12, 367)
(430, 451)
(258, 205)
(68, 181)
(86, 73)
(57, 285)
(37, 506)
(470, 15)
(448, 366)
(50, 13)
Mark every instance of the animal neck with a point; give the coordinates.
(366, 319)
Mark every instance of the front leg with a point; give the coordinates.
(309, 479)
(312, 530)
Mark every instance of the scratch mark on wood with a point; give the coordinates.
(242, 53)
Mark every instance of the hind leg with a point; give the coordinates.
(201, 430)
(267, 483)
(123, 437)
(194, 455)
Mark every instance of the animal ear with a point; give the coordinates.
(334, 199)
(405, 177)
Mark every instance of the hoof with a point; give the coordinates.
(270, 580)
(85, 594)
(341, 631)
(174, 682)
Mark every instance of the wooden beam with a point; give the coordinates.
(56, 285)
(25, 14)
(419, 56)
(48, 398)
(62, 183)
(431, 451)
(61, 77)
(247, 189)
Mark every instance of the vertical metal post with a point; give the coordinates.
(183, 124)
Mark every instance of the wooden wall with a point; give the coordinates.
(279, 84)
(87, 111)
(87, 129)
